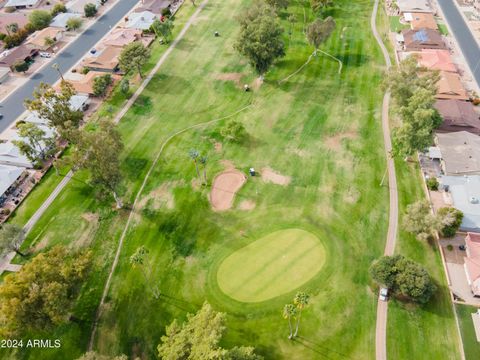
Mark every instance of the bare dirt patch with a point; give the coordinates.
(247, 205)
(235, 77)
(257, 83)
(88, 230)
(335, 142)
(224, 187)
(269, 175)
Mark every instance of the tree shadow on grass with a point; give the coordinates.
(321, 350)
(180, 304)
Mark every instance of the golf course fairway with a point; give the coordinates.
(271, 266)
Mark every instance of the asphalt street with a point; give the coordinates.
(12, 107)
(465, 39)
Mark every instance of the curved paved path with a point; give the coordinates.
(382, 307)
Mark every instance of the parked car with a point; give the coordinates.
(93, 51)
(1, 116)
(46, 55)
(383, 294)
(462, 247)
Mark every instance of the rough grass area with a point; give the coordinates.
(414, 331)
(470, 344)
(273, 265)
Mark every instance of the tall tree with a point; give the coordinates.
(420, 221)
(319, 30)
(11, 238)
(260, 37)
(163, 29)
(98, 152)
(450, 220)
(101, 84)
(134, 56)
(40, 295)
(55, 107)
(403, 277)
(290, 313)
(301, 300)
(139, 259)
(199, 337)
(194, 155)
(419, 119)
(34, 142)
(39, 19)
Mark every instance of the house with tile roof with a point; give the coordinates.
(420, 21)
(416, 40)
(39, 40)
(105, 60)
(458, 115)
(450, 87)
(436, 60)
(472, 262)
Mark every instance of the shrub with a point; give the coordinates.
(9, 9)
(39, 19)
(57, 9)
(166, 12)
(85, 70)
(20, 66)
(90, 10)
(449, 247)
(432, 184)
(476, 101)
(403, 277)
(451, 219)
(74, 23)
(5, 211)
(234, 131)
(101, 84)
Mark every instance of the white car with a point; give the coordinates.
(383, 294)
(45, 55)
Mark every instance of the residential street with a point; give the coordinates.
(463, 35)
(12, 106)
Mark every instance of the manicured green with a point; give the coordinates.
(271, 266)
(470, 344)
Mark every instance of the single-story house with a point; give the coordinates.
(21, 19)
(450, 87)
(460, 153)
(414, 6)
(421, 21)
(465, 193)
(472, 262)
(105, 60)
(78, 6)
(20, 53)
(458, 116)
(10, 155)
(140, 20)
(9, 176)
(60, 21)
(121, 37)
(38, 40)
(416, 40)
(154, 6)
(83, 84)
(22, 4)
(436, 60)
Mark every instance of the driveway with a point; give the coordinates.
(12, 107)
(463, 35)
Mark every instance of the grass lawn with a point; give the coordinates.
(396, 25)
(320, 128)
(443, 29)
(261, 270)
(470, 344)
(430, 327)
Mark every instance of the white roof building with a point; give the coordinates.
(61, 19)
(141, 20)
(22, 3)
(78, 6)
(465, 193)
(409, 6)
(10, 155)
(8, 176)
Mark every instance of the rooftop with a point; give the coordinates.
(450, 87)
(460, 152)
(436, 60)
(8, 176)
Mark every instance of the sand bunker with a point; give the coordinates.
(268, 175)
(225, 185)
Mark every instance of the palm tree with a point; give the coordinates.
(194, 154)
(290, 311)
(13, 28)
(203, 161)
(301, 301)
(138, 260)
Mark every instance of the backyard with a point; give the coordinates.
(321, 131)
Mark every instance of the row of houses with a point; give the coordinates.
(457, 140)
(99, 61)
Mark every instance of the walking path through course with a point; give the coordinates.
(382, 307)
